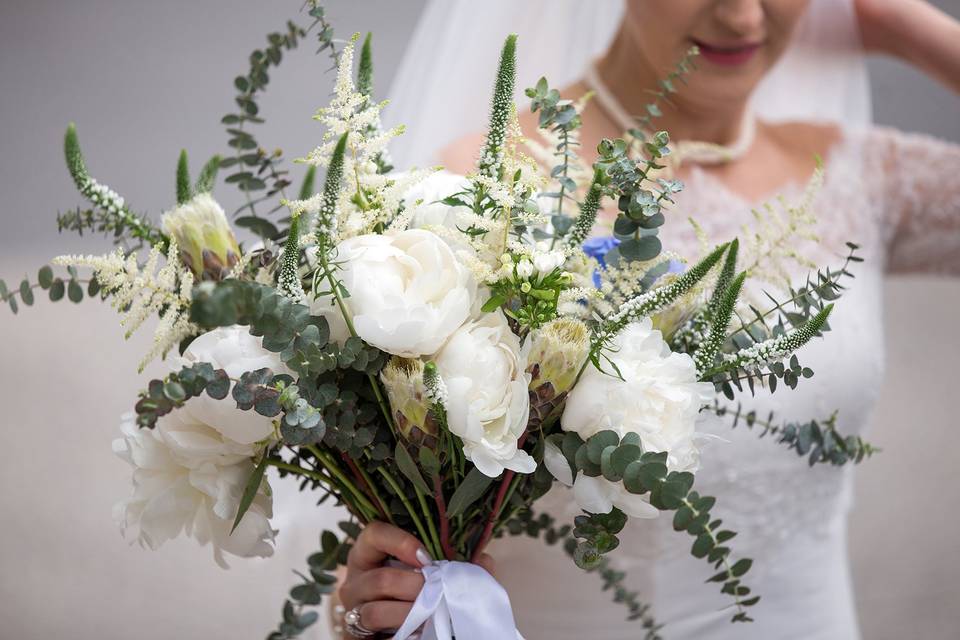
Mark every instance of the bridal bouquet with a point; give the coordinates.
(432, 350)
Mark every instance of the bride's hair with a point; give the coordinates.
(444, 81)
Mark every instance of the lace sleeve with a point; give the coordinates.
(916, 182)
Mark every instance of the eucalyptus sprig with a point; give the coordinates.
(819, 438)
(642, 472)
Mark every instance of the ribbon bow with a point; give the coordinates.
(460, 599)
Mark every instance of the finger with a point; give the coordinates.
(384, 614)
(486, 561)
(378, 541)
(381, 584)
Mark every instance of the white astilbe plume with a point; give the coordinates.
(770, 243)
(139, 293)
(350, 111)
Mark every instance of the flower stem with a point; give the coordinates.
(406, 503)
(338, 473)
(445, 545)
(435, 539)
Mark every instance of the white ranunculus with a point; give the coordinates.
(408, 291)
(524, 268)
(188, 479)
(424, 200)
(235, 351)
(659, 399)
(487, 400)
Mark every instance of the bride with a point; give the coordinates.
(780, 83)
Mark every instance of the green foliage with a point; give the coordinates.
(666, 87)
(588, 212)
(163, 396)
(208, 176)
(720, 315)
(365, 68)
(258, 173)
(184, 193)
(54, 285)
(818, 438)
(646, 473)
(326, 215)
(561, 117)
(470, 490)
(320, 582)
(288, 278)
(309, 178)
(110, 214)
(491, 157)
(250, 489)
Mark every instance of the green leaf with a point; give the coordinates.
(183, 179)
(306, 188)
(26, 293)
(409, 468)
(45, 277)
(640, 249)
(250, 490)
(74, 291)
(57, 290)
(494, 303)
(740, 567)
(472, 487)
(429, 462)
(208, 176)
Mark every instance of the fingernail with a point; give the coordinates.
(423, 558)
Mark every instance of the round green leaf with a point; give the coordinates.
(45, 277)
(56, 290)
(74, 291)
(26, 293)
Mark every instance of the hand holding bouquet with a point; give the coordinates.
(434, 352)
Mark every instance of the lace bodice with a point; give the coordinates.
(894, 194)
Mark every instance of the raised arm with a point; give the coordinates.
(915, 31)
(913, 180)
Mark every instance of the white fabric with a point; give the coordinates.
(462, 599)
(892, 193)
(442, 89)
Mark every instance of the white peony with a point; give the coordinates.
(659, 399)
(188, 479)
(234, 350)
(424, 201)
(487, 400)
(408, 291)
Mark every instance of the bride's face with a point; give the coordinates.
(739, 40)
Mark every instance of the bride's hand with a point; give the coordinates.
(915, 31)
(384, 595)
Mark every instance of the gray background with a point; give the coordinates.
(142, 79)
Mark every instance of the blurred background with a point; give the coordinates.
(144, 79)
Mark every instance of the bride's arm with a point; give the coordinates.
(915, 31)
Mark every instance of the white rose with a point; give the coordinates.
(234, 350)
(189, 479)
(425, 196)
(659, 399)
(408, 291)
(487, 400)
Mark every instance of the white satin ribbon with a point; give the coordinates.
(460, 599)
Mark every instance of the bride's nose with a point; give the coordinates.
(744, 18)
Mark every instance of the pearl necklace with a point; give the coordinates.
(692, 150)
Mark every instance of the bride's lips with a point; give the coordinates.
(728, 55)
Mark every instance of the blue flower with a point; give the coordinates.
(597, 248)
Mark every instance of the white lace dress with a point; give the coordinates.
(898, 197)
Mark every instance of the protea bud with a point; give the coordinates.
(557, 352)
(409, 401)
(207, 244)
